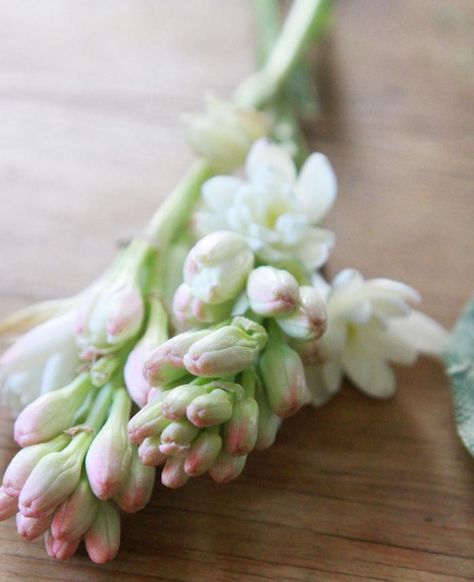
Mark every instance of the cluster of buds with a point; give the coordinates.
(75, 471)
(219, 390)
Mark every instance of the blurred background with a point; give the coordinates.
(91, 96)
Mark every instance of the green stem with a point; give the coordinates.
(298, 29)
(268, 18)
(172, 216)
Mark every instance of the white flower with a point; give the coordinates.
(369, 325)
(275, 209)
(42, 360)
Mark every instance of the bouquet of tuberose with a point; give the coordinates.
(191, 349)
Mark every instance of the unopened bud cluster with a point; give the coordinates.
(220, 390)
(76, 470)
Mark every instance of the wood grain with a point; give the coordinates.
(90, 141)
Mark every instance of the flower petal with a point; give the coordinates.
(368, 372)
(323, 381)
(267, 157)
(317, 187)
(315, 247)
(218, 192)
(421, 332)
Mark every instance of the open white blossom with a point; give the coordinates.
(276, 209)
(370, 324)
(44, 359)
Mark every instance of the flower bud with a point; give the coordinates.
(53, 479)
(177, 400)
(272, 292)
(115, 316)
(224, 134)
(60, 549)
(227, 467)
(8, 505)
(102, 370)
(156, 333)
(149, 452)
(284, 378)
(102, 540)
(173, 475)
(137, 385)
(30, 528)
(241, 429)
(176, 438)
(227, 350)
(136, 490)
(268, 421)
(109, 455)
(51, 413)
(165, 363)
(203, 452)
(217, 267)
(148, 421)
(210, 409)
(25, 461)
(75, 515)
(308, 350)
(193, 311)
(309, 320)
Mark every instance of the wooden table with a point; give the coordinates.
(90, 141)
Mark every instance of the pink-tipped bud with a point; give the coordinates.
(180, 432)
(210, 409)
(8, 505)
(25, 461)
(114, 316)
(136, 490)
(203, 453)
(103, 538)
(109, 456)
(284, 378)
(227, 350)
(268, 421)
(217, 267)
(51, 413)
(137, 385)
(53, 479)
(241, 430)
(165, 363)
(177, 400)
(193, 311)
(309, 320)
(149, 452)
(227, 467)
(173, 474)
(30, 528)
(148, 422)
(272, 292)
(75, 515)
(60, 549)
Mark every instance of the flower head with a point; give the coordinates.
(370, 324)
(274, 209)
